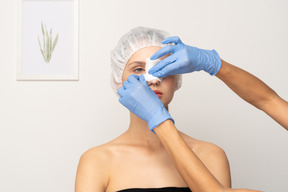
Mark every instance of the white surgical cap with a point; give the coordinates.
(137, 38)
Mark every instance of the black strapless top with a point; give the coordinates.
(162, 189)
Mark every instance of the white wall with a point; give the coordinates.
(45, 126)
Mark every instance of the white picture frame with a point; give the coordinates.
(47, 43)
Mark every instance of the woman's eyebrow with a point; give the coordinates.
(137, 62)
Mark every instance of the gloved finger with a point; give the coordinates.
(171, 69)
(163, 51)
(162, 64)
(143, 80)
(133, 78)
(121, 100)
(126, 84)
(121, 91)
(173, 39)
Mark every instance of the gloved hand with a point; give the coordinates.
(185, 59)
(140, 99)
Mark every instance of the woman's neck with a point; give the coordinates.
(141, 134)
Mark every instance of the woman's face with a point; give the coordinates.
(136, 65)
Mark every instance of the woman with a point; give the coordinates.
(137, 158)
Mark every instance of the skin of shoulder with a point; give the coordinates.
(96, 158)
(90, 175)
(213, 157)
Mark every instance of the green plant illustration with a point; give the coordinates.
(48, 47)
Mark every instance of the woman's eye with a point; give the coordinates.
(137, 69)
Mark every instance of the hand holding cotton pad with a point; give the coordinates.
(149, 65)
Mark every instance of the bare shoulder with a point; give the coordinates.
(212, 156)
(100, 152)
(203, 148)
(92, 172)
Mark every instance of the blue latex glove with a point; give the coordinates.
(140, 99)
(185, 59)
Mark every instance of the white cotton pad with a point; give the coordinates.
(149, 65)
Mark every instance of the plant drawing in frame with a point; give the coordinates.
(47, 40)
(48, 46)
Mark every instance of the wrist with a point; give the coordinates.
(216, 62)
(223, 70)
(166, 129)
(161, 116)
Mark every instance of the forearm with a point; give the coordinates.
(193, 171)
(246, 85)
(255, 92)
(190, 167)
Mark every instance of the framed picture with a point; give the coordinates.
(47, 41)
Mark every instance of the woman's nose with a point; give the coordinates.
(153, 82)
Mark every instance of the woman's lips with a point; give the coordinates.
(158, 93)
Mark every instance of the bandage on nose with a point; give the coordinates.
(149, 65)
